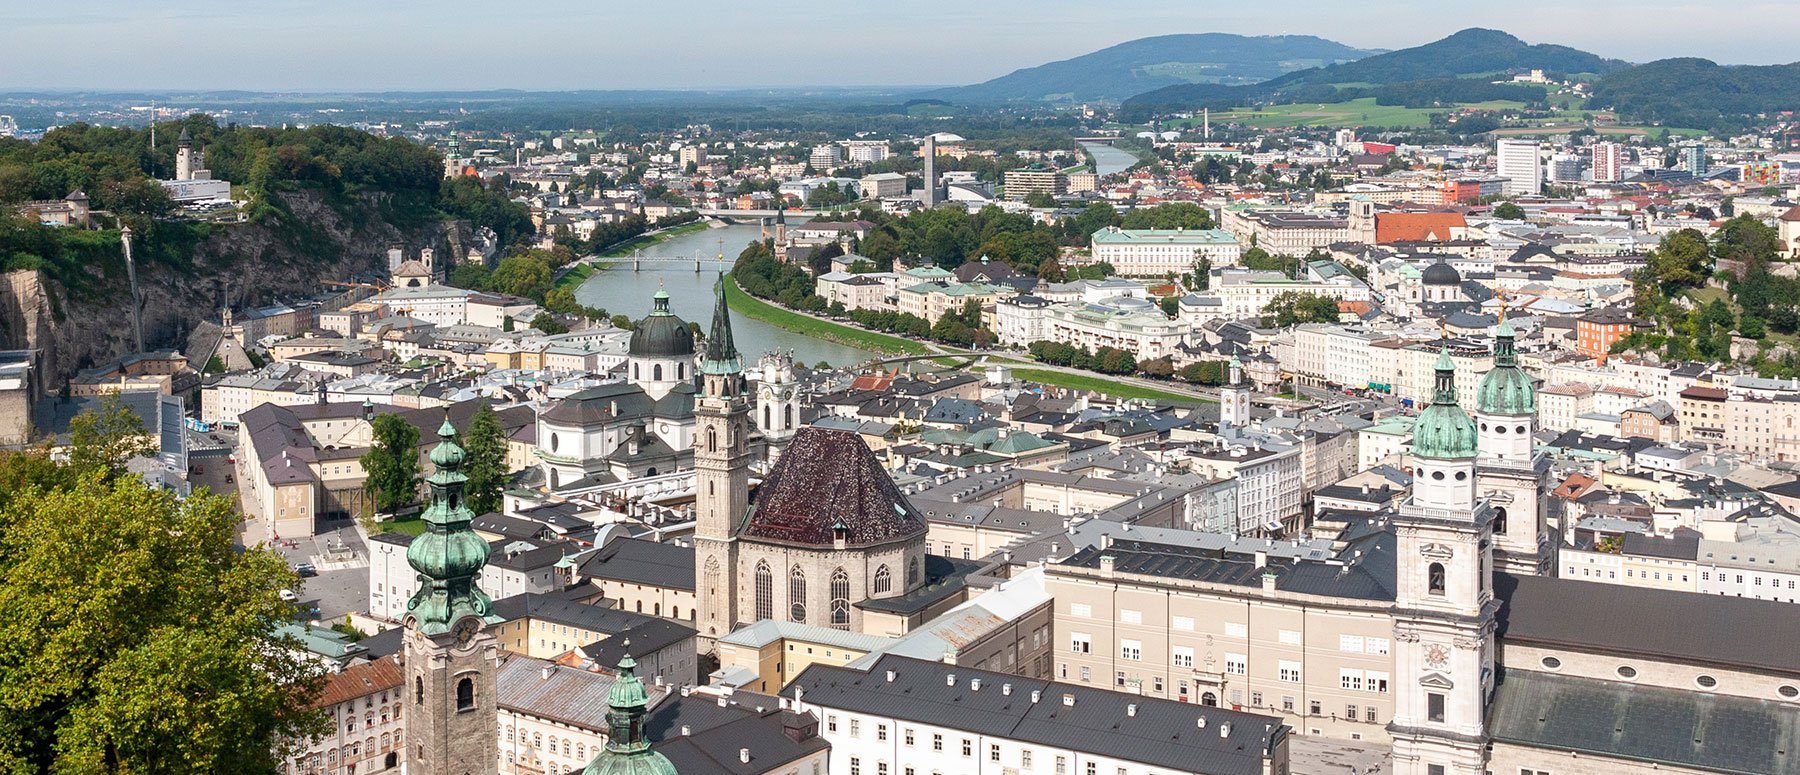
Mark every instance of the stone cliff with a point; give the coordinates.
(243, 265)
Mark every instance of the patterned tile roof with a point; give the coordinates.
(828, 478)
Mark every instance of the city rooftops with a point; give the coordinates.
(1117, 236)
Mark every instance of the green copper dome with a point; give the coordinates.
(627, 752)
(1444, 431)
(448, 556)
(1506, 389)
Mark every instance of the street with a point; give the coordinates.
(1316, 755)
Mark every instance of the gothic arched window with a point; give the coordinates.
(712, 439)
(912, 572)
(840, 599)
(884, 580)
(419, 690)
(1500, 520)
(765, 591)
(465, 694)
(765, 424)
(787, 413)
(797, 594)
(1435, 579)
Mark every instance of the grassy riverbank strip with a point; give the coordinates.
(1101, 385)
(752, 307)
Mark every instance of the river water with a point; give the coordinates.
(619, 290)
(1108, 160)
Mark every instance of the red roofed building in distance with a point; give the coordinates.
(1419, 227)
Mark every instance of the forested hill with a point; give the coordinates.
(1137, 66)
(1429, 71)
(322, 203)
(1697, 92)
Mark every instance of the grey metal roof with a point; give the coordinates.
(567, 694)
(1711, 732)
(637, 561)
(1156, 732)
(1676, 626)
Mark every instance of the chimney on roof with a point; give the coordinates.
(949, 679)
(1225, 729)
(1131, 709)
(686, 730)
(1262, 559)
(890, 676)
(744, 755)
(1006, 690)
(1036, 695)
(545, 673)
(1069, 700)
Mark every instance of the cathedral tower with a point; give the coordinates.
(1510, 474)
(1234, 398)
(777, 401)
(451, 654)
(1444, 601)
(722, 466)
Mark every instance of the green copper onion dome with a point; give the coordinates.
(627, 752)
(1506, 389)
(448, 556)
(1444, 431)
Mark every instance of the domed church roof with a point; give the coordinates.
(1440, 273)
(661, 334)
(1444, 430)
(1506, 389)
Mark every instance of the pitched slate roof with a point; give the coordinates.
(637, 561)
(828, 478)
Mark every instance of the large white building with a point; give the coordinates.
(1608, 159)
(1133, 325)
(1155, 252)
(1244, 293)
(1517, 160)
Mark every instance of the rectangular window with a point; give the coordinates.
(908, 737)
(1085, 675)
(1062, 765)
(1119, 678)
(881, 732)
(1131, 650)
(1184, 656)
(1290, 671)
(1129, 616)
(1183, 623)
(1093, 769)
(1237, 630)
(855, 766)
(993, 752)
(1081, 643)
(1156, 684)
(1375, 645)
(1434, 707)
(1350, 679)
(1369, 714)
(1350, 712)
(1314, 708)
(1256, 699)
(937, 742)
(1351, 643)
(1290, 637)
(1025, 758)
(1080, 609)
(1287, 703)
(831, 723)
(881, 768)
(1376, 682)
(855, 727)
(1234, 664)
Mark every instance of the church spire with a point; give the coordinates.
(626, 749)
(722, 367)
(449, 555)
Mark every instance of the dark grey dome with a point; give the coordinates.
(661, 335)
(1441, 273)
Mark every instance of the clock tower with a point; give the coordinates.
(451, 654)
(1444, 603)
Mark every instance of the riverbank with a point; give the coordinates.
(806, 325)
(580, 272)
(1099, 384)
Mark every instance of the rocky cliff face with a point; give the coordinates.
(243, 265)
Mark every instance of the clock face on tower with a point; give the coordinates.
(465, 630)
(1436, 656)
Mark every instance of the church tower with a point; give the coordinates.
(1510, 473)
(187, 159)
(781, 240)
(777, 401)
(627, 752)
(1444, 601)
(451, 654)
(1234, 398)
(722, 468)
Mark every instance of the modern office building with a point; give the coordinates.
(1517, 161)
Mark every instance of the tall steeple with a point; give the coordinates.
(722, 367)
(627, 752)
(722, 434)
(451, 654)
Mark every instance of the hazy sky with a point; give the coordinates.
(605, 44)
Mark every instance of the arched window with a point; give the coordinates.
(797, 594)
(884, 581)
(712, 439)
(656, 609)
(674, 612)
(840, 599)
(419, 690)
(637, 371)
(656, 373)
(465, 694)
(912, 572)
(787, 414)
(681, 371)
(1209, 698)
(1435, 578)
(765, 591)
(1500, 520)
(765, 417)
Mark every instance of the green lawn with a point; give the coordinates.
(752, 307)
(1101, 385)
(412, 526)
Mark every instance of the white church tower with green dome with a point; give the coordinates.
(1444, 602)
(1510, 473)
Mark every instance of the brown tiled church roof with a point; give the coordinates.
(827, 478)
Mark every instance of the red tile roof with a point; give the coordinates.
(1411, 227)
(360, 681)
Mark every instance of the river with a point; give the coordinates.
(619, 290)
(1108, 160)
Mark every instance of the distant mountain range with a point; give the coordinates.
(1118, 72)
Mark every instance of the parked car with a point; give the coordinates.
(306, 570)
(287, 595)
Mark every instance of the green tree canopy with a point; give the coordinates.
(134, 638)
(108, 437)
(1681, 260)
(484, 461)
(1508, 211)
(1172, 215)
(392, 462)
(1292, 307)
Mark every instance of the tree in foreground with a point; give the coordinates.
(485, 461)
(133, 637)
(392, 462)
